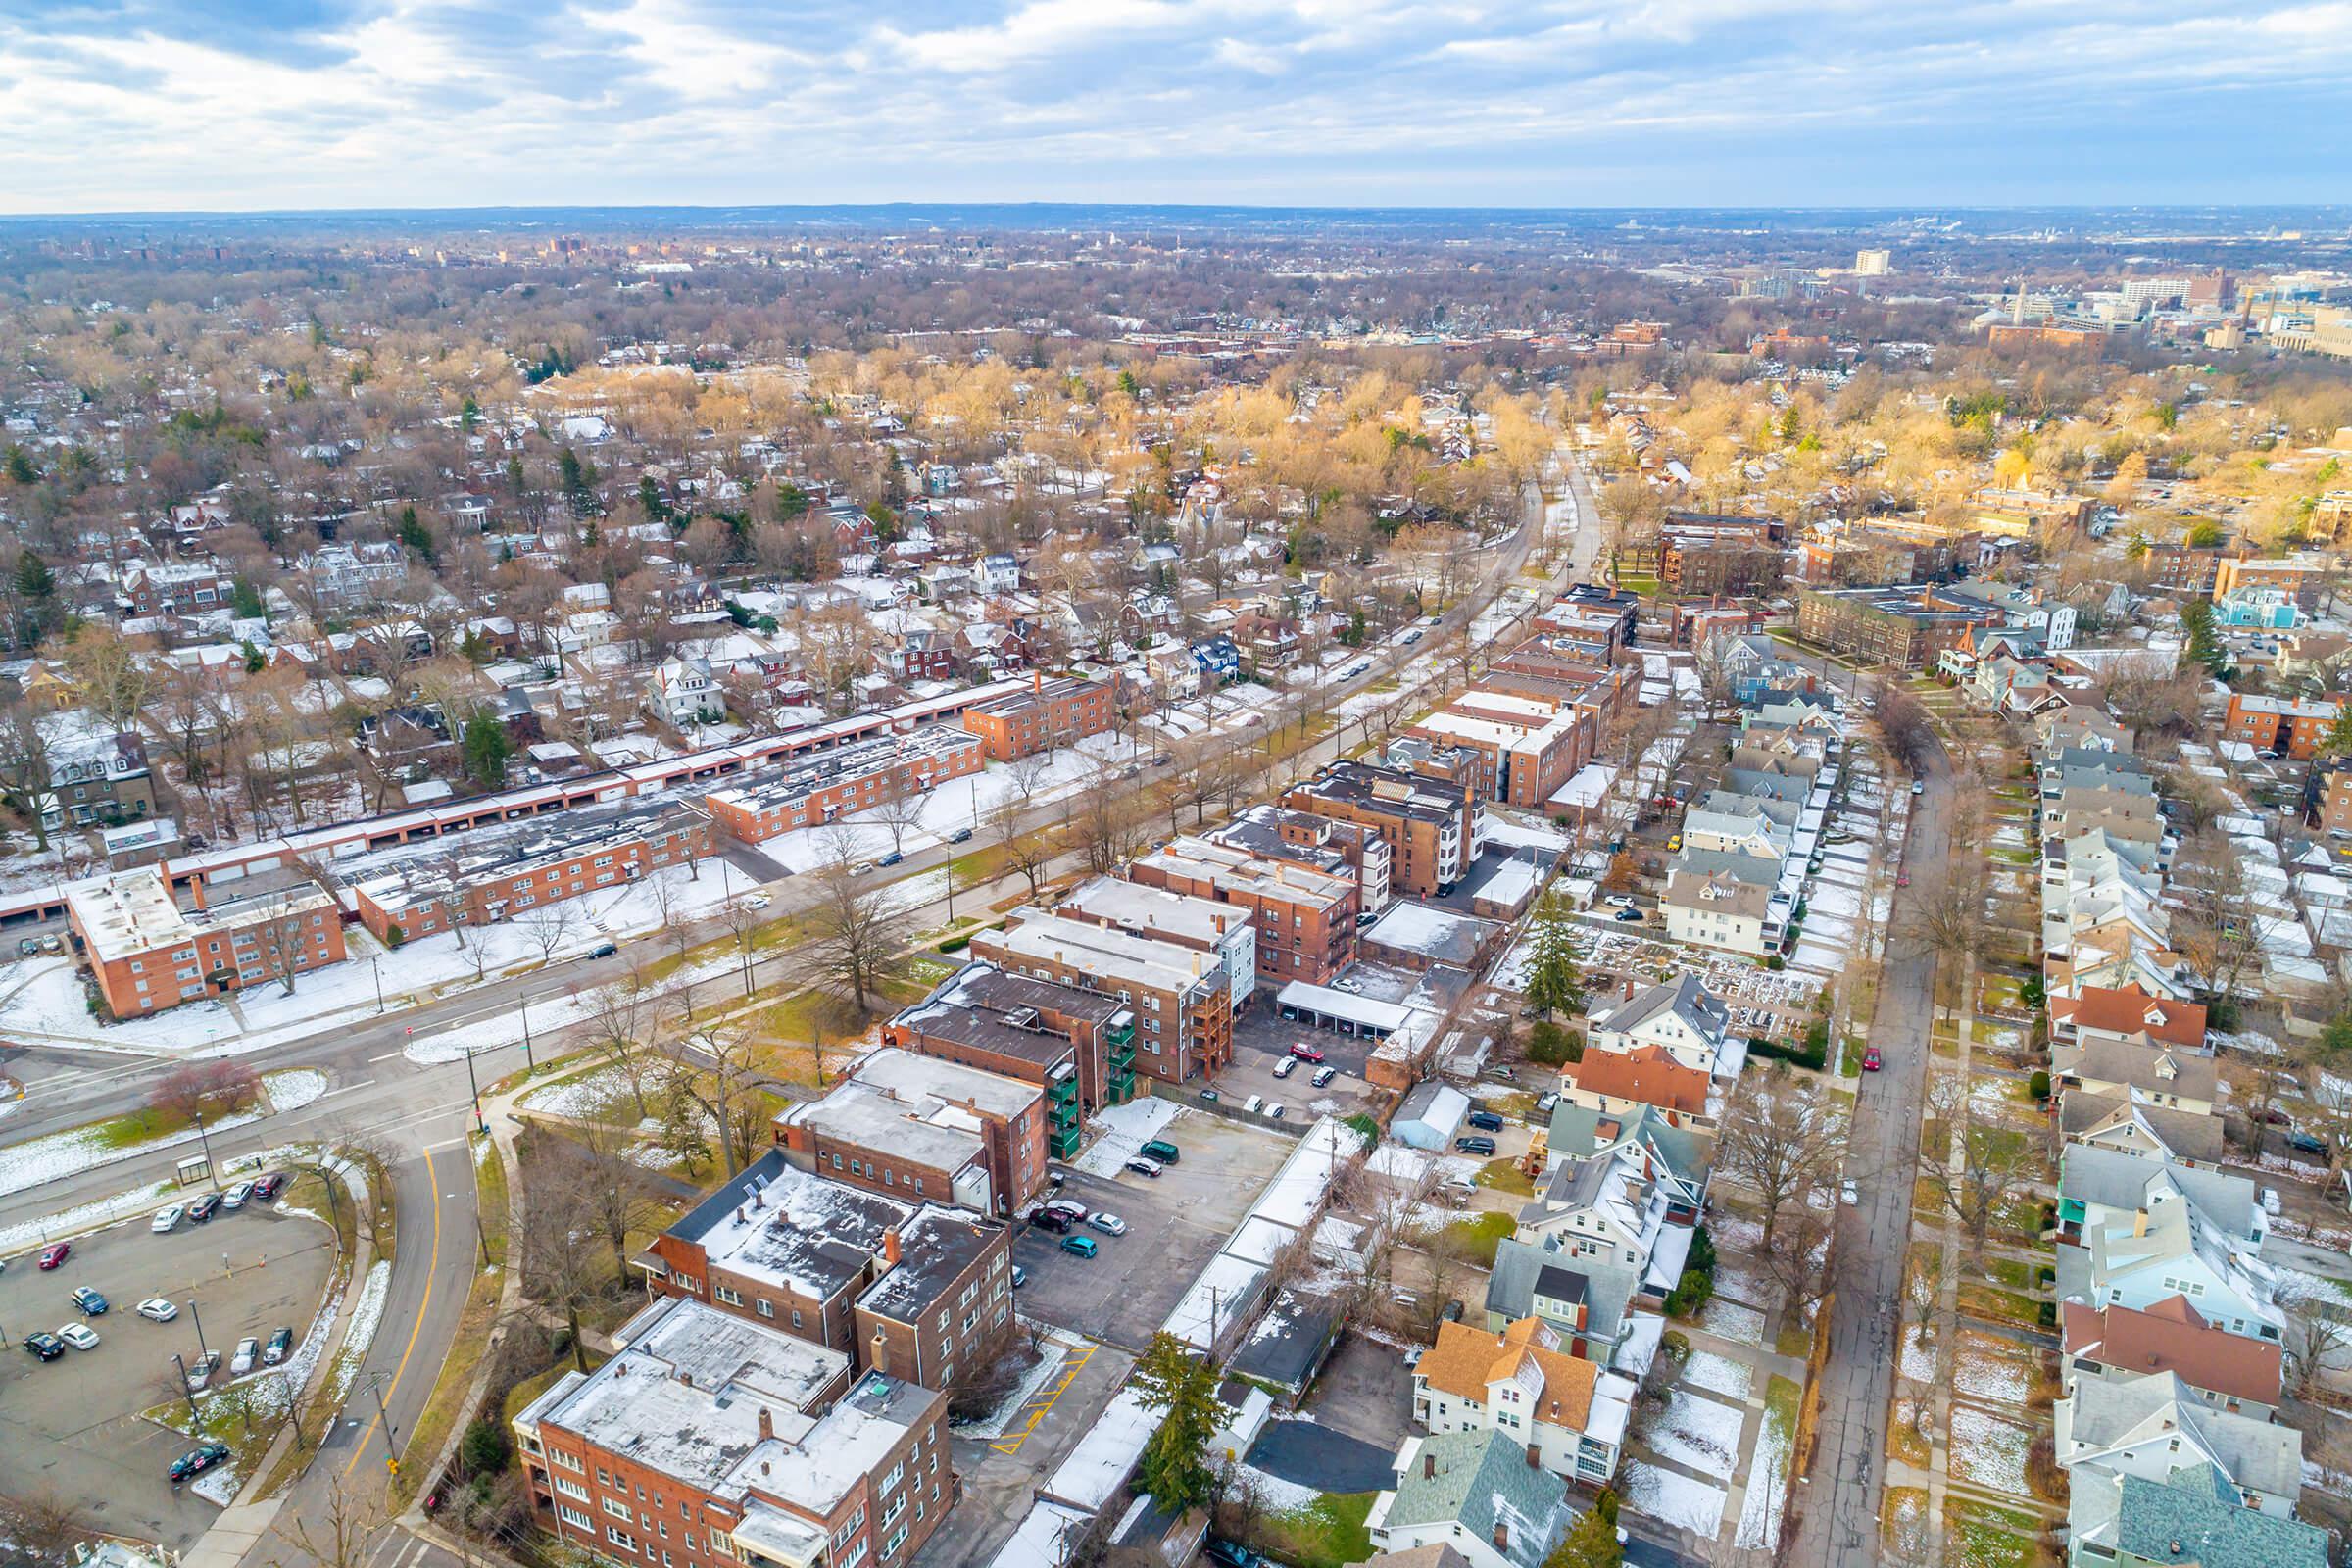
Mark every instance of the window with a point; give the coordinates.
(849, 1527)
(727, 1294)
(764, 1310)
(796, 1318)
(572, 1489)
(620, 1537)
(897, 1538)
(619, 1510)
(573, 1516)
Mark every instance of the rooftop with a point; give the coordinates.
(803, 775)
(1132, 907)
(1094, 950)
(995, 1011)
(935, 1249)
(1240, 872)
(131, 913)
(409, 875)
(791, 1228)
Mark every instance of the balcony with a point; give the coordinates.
(1121, 1088)
(1121, 1034)
(1061, 1143)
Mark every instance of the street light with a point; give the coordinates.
(529, 1065)
(186, 1393)
(202, 1137)
(376, 1385)
(202, 1348)
(479, 1124)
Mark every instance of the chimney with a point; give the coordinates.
(1535, 1459)
(1429, 1466)
(1037, 681)
(1502, 1537)
(890, 1246)
(768, 1424)
(1629, 988)
(879, 1357)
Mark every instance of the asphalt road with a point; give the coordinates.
(1840, 1496)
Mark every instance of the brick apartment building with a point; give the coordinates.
(898, 1123)
(1698, 553)
(1316, 843)
(507, 871)
(945, 1307)
(176, 588)
(2297, 728)
(713, 1442)
(1532, 722)
(1051, 713)
(2183, 569)
(147, 954)
(1181, 997)
(815, 788)
(1076, 1045)
(2302, 578)
(1304, 919)
(1221, 932)
(2328, 796)
(1431, 825)
(1907, 627)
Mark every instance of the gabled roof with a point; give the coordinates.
(1646, 1074)
(2130, 1011)
(2170, 1336)
(2191, 1517)
(1481, 1481)
(1683, 995)
(2108, 1416)
(1465, 1361)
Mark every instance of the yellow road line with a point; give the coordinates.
(1038, 1407)
(432, 1265)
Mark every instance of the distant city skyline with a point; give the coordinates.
(142, 105)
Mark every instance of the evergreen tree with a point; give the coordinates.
(1591, 1542)
(469, 413)
(649, 496)
(247, 600)
(514, 479)
(1175, 1465)
(20, 466)
(1552, 983)
(415, 536)
(486, 749)
(790, 502)
(35, 579)
(579, 482)
(2339, 734)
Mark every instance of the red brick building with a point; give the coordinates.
(811, 790)
(710, 1441)
(1076, 1045)
(2293, 727)
(900, 1124)
(1051, 713)
(148, 953)
(1305, 919)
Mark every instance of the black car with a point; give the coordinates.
(959, 836)
(1051, 1219)
(1475, 1146)
(270, 1186)
(48, 1347)
(1485, 1121)
(205, 1208)
(197, 1460)
(1229, 1553)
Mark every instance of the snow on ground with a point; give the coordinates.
(1719, 1374)
(1696, 1431)
(1122, 1130)
(1101, 1462)
(1043, 1538)
(78, 1149)
(1982, 1371)
(1919, 1355)
(1729, 1320)
(581, 1096)
(365, 1312)
(294, 1088)
(218, 1485)
(1673, 1500)
(1767, 1496)
(89, 1216)
(1988, 1451)
(1278, 1494)
(1053, 1355)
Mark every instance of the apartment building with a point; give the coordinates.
(98, 776)
(1906, 626)
(2302, 578)
(713, 1442)
(1051, 713)
(2328, 796)
(1698, 554)
(175, 588)
(1077, 1046)
(938, 1129)
(815, 788)
(1313, 843)
(2295, 727)
(944, 1308)
(1432, 826)
(1147, 909)
(1304, 921)
(1180, 996)
(506, 872)
(1720, 900)
(147, 954)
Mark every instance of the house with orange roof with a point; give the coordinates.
(1569, 1413)
(1612, 1082)
(2128, 1014)
(2234, 1372)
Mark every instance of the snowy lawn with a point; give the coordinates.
(35, 1160)
(1719, 1374)
(1988, 1451)
(1673, 1500)
(1696, 1431)
(1121, 1130)
(1993, 1370)
(1729, 1320)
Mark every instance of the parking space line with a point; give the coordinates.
(1043, 1400)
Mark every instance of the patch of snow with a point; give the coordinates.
(1043, 1538)
(1988, 1451)
(1052, 1357)
(84, 1217)
(365, 1312)
(217, 1485)
(1123, 1131)
(578, 1098)
(1729, 1320)
(1719, 1374)
(1674, 1500)
(1696, 1431)
(1767, 1498)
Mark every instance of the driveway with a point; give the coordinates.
(1364, 1392)
(1310, 1455)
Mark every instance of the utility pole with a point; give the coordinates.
(524, 1002)
(375, 1385)
(200, 1347)
(206, 1140)
(479, 1124)
(186, 1392)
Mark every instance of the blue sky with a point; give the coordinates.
(112, 104)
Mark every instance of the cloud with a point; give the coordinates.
(128, 104)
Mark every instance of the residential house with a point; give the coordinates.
(1568, 1413)
(1476, 1492)
(2153, 1426)
(2119, 1344)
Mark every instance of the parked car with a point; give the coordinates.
(197, 1460)
(1619, 900)
(201, 1370)
(55, 1254)
(1485, 1121)
(1412, 636)
(53, 943)
(159, 1310)
(756, 901)
(1919, 786)
(1144, 1167)
(27, 947)
(1069, 1208)
(78, 1335)
(1546, 1100)
(1253, 1104)
(1303, 1052)
(1229, 1553)
(962, 834)
(891, 858)
(1626, 917)
(1109, 1224)
(48, 1347)
(2306, 1144)
(1285, 1066)
(235, 1197)
(1049, 1219)
(1020, 1276)
(1366, 918)
(1902, 879)
(1870, 1058)
(266, 1190)
(205, 1208)
(1161, 1150)
(1323, 1075)
(1849, 1194)
(2269, 1202)
(1079, 1246)
(249, 1350)
(1211, 1095)
(1475, 1146)
(92, 1304)
(602, 949)
(281, 1346)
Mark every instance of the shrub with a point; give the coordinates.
(1553, 1046)
(1776, 962)
(394, 936)
(1366, 1128)
(1691, 1292)
(2049, 1314)
(1703, 1252)
(956, 943)
(484, 1451)
(2038, 1086)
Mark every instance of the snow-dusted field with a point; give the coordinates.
(35, 1160)
(1988, 1451)
(1767, 1498)
(1719, 1374)
(1673, 1500)
(1694, 1431)
(1729, 1320)
(1988, 1370)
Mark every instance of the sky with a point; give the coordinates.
(189, 104)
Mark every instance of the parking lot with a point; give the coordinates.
(1175, 1223)
(71, 1427)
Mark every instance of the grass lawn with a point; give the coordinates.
(1977, 1535)
(2009, 1272)
(1903, 1522)
(1793, 1339)
(1903, 1443)
(1506, 1176)
(1993, 1304)
(1326, 1534)
(1477, 1239)
(1849, 1059)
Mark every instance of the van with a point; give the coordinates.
(1257, 1103)
(1079, 1246)
(1161, 1150)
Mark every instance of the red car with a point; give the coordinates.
(1903, 881)
(55, 1254)
(1870, 1059)
(1307, 1054)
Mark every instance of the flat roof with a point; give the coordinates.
(1120, 954)
(1147, 909)
(406, 874)
(793, 779)
(1242, 871)
(989, 1007)
(935, 1249)
(129, 913)
(797, 1230)
(923, 1131)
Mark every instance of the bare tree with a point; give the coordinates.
(620, 1193)
(716, 1068)
(2319, 1340)
(24, 778)
(1992, 1162)
(344, 1535)
(1781, 1140)
(901, 806)
(547, 926)
(858, 928)
(44, 1529)
(625, 1016)
(1110, 826)
(559, 1210)
(1023, 849)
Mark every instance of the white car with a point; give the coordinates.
(158, 1309)
(249, 1350)
(235, 1197)
(78, 1336)
(1619, 900)
(1849, 1194)
(1109, 1224)
(756, 901)
(165, 1218)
